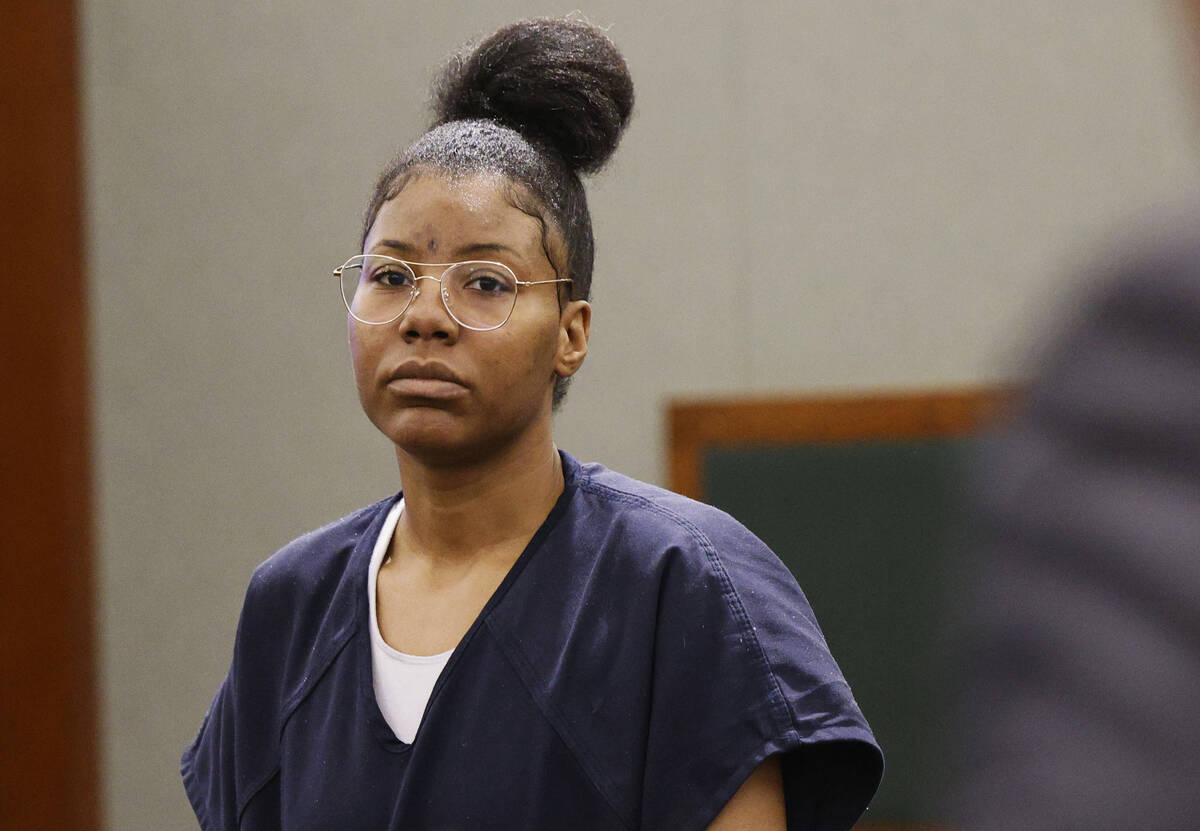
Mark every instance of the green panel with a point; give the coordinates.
(867, 529)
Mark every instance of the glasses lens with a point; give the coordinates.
(376, 289)
(480, 295)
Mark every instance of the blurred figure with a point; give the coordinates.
(1083, 622)
(1082, 625)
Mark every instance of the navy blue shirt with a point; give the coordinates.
(643, 655)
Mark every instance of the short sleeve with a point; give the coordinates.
(229, 769)
(299, 613)
(742, 672)
(207, 763)
(209, 777)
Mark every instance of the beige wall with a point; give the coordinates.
(813, 195)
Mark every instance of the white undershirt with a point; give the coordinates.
(402, 682)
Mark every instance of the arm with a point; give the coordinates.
(758, 803)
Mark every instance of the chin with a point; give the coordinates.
(440, 437)
(420, 426)
(434, 436)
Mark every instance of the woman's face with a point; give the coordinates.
(443, 392)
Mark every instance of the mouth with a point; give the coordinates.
(430, 380)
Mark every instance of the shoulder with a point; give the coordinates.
(737, 659)
(309, 568)
(1123, 366)
(1160, 257)
(298, 613)
(665, 517)
(704, 561)
(653, 529)
(301, 604)
(1143, 290)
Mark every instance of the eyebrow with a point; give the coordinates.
(395, 245)
(487, 248)
(474, 249)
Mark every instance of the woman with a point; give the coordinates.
(517, 641)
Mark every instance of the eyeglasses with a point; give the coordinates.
(479, 295)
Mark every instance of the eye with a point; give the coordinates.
(392, 276)
(488, 280)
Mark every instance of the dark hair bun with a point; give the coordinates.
(560, 83)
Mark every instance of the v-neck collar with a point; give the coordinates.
(361, 562)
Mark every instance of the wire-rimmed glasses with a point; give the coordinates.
(478, 294)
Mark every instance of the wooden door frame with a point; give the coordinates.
(697, 425)
(49, 774)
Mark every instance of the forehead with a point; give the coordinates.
(442, 213)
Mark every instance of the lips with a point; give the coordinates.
(426, 369)
(425, 379)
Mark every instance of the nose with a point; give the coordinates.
(426, 317)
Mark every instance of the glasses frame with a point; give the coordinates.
(415, 292)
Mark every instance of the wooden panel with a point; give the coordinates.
(695, 425)
(48, 712)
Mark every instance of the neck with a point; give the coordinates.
(493, 505)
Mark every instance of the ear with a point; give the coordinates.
(575, 325)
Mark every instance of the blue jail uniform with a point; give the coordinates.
(643, 655)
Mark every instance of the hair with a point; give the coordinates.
(539, 102)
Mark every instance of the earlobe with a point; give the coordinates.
(575, 326)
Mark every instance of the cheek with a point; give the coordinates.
(543, 356)
(524, 361)
(363, 356)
